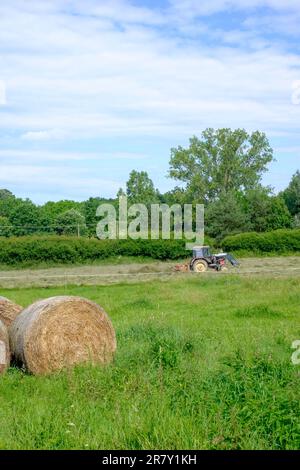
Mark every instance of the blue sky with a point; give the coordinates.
(90, 90)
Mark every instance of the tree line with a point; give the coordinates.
(221, 169)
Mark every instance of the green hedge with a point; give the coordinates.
(276, 241)
(60, 249)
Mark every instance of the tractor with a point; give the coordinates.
(203, 259)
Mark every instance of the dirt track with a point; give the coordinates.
(108, 274)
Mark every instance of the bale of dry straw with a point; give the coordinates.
(60, 332)
(8, 311)
(4, 348)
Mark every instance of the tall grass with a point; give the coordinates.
(201, 363)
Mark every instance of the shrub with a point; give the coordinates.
(284, 240)
(63, 249)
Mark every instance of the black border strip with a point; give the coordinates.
(135, 459)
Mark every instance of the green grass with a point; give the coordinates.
(201, 363)
(110, 261)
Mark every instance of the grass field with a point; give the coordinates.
(203, 362)
(141, 270)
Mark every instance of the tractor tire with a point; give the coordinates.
(200, 266)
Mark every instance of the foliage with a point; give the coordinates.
(279, 241)
(175, 196)
(8, 202)
(140, 189)
(296, 221)
(89, 210)
(291, 194)
(71, 222)
(225, 216)
(62, 249)
(6, 229)
(221, 161)
(264, 211)
(5, 194)
(26, 219)
(222, 169)
(52, 210)
(278, 216)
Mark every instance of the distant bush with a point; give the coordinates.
(63, 249)
(280, 241)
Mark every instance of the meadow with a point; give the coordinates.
(202, 362)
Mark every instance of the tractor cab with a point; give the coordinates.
(201, 252)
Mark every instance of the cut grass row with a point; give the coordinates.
(121, 260)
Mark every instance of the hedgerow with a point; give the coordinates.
(284, 240)
(61, 249)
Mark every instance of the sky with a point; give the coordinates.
(90, 90)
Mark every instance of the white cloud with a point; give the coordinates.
(120, 11)
(51, 134)
(2, 93)
(75, 182)
(165, 96)
(290, 149)
(296, 92)
(33, 156)
(109, 69)
(74, 76)
(191, 8)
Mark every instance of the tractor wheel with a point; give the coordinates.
(200, 266)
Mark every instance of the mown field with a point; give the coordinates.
(203, 362)
(131, 270)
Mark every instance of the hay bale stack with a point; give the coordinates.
(4, 348)
(60, 332)
(8, 311)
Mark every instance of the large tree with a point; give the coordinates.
(71, 222)
(90, 210)
(6, 229)
(52, 210)
(140, 189)
(291, 194)
(6, 194)
(221, 161)
(225, 216)
(266, 211)
(26, 219)
(8, 203)
(279, 216)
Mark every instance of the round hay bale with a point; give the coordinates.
(8, 311)
(60, 332)
(4, 348)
